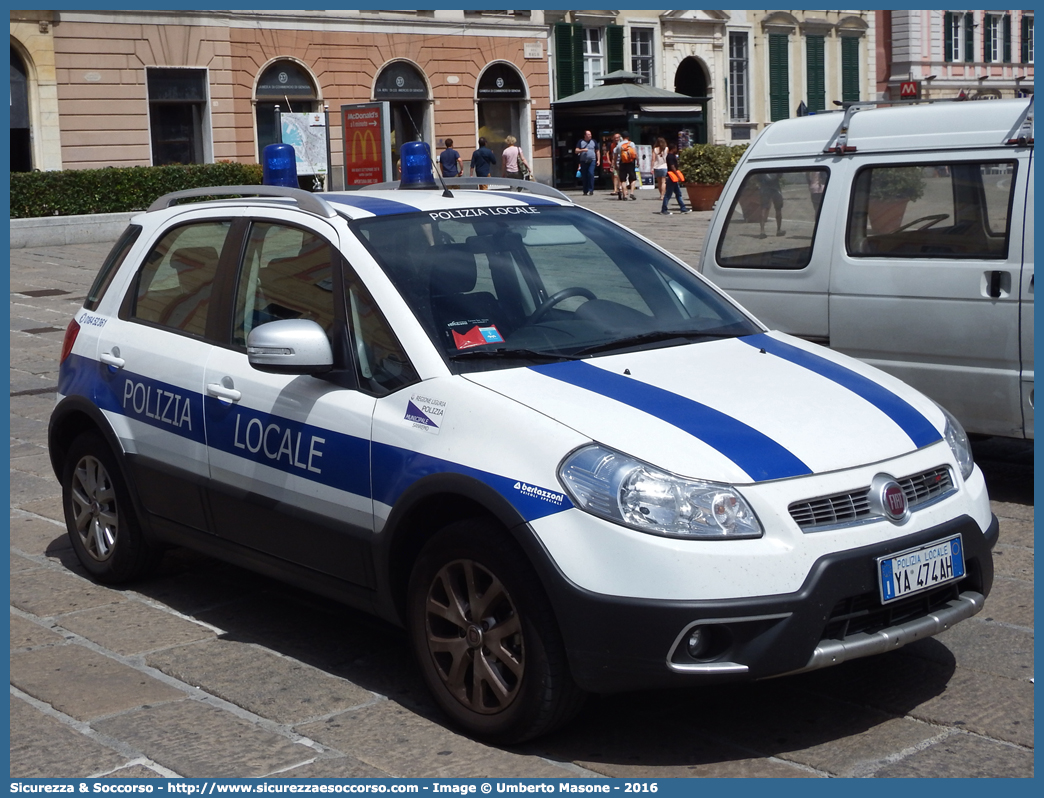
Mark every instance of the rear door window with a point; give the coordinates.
(934, 210)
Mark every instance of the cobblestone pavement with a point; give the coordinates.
(208, 670)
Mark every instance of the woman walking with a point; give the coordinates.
(512, 159)
(659, 165)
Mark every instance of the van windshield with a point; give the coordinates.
(493, 286)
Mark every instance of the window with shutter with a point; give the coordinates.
(947, 36)
(1026, 39)
(849, 69)
(779, 77)
(815, 72)
(569, 59)
(969, 38)
(614, 48)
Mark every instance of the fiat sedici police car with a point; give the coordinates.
(556, 455)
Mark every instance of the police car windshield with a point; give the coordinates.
(543, 280)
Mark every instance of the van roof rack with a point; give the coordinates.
(838, 142)
(306, 200)
(1022, 133)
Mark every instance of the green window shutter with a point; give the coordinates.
(569, 58)
(969, 38)
(614, 48)
(948, 37)
(849, 69)
(1024, 39)
(815, 72)
(779, 77)
(1006, 32)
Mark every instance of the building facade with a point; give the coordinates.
(100, 88)
(142, 88)
(980, 55)
(753, 67)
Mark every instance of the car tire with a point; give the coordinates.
(503, 677)
(99, 515)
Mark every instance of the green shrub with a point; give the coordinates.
(709, 163)
(897, 183)
(117, 189)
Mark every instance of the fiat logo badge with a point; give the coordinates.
(888, 498)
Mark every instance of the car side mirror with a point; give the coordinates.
(290, 346)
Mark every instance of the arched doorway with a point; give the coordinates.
(691, 79)
(406, 91)
(21, 137)
(500, 97)
(289, 85)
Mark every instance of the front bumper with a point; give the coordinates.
(619, 643)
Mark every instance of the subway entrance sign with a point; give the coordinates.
(366, 140)
(910, 90)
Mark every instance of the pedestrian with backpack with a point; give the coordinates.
(627, 157)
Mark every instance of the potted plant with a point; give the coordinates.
(706, 168)
(890, 191)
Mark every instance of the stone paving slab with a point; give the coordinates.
(46, 592)
(84, 684)
(1010, 602)
(962, 756)
(403, 744)
(43, 747)
(31, 533)
(979, 641)
(278, 688)
(26, 634)
(132, 627)
(196, 740)
(339, 767)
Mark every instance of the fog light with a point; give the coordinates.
(696, 645)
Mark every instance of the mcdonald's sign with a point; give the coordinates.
(365, 136)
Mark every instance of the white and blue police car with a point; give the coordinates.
(561, 459)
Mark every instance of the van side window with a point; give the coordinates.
(937, 210)
(772, 222)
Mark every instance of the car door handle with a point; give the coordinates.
(113, 359)
(222, 392)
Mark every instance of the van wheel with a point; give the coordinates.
(102, 524)
(485, 637)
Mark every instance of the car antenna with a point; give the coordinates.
(435, 168)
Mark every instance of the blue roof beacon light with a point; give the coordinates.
(279, 166)
(416, 164)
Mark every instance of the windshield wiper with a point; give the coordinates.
(524, 354)
(656, 336)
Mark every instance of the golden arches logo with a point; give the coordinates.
(361, 138)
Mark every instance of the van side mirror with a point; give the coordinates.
(290, 346)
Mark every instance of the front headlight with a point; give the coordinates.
(959, 445)
(621, 489)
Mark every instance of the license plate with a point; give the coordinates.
(916, 570)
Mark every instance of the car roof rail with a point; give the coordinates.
(838, 142)
(473, 182)
(1022, 132)
(306, 200)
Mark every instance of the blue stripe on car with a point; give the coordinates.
(395, 469)
(523, 198)
(757, 454)
(293, 447)
(378, 206)
(920, 430)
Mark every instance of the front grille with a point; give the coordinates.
(865, 613)
(847, 509)
(923, 488)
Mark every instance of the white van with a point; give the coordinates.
(900, 235)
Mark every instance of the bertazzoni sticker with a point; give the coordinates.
(425, 413)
